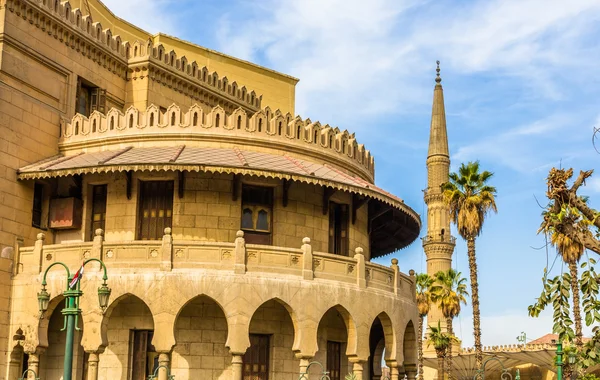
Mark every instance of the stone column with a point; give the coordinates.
(307, 259)
(236, 367)
(401, 373)
(163, 360)
(394, 373)
(304, 362)
(411, 371)
(240, 253)
(97, 244)
(93, 359)
(361, 275)
(357, 368)
(166, 259)
(34, 364)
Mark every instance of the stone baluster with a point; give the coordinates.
(166, 261)
(97, 244)
(361, 274)
(38, 250)
(396, 270)
(240, 253)
(307, 260)
(17, 264)
(236, 366)
(93, 359)
(163, 360)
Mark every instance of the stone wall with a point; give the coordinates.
(6, 267)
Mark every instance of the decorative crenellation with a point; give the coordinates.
(81, 33)
(76, 30)
(512, 348)
(168, 63)
(266, 123)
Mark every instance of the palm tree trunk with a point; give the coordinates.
(440, 374)
(475, 302)
(449, 350)
(420, 340)
(576, 306)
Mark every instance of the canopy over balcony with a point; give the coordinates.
(396, 224)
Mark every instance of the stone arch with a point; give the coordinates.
(129, 314)
(382, 343)
(276, 319)
(351, 328)
(409, 345)
(336, 331)
(200, 329)
(45, 320)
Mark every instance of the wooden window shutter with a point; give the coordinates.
(344, 218)
(331, 227)
(334, 353)
(139, 354)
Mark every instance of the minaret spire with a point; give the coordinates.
(438, 243)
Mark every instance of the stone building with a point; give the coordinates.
(238, 238)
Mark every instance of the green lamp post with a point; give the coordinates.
(559, 362)
(71, 311)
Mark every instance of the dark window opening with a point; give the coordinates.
(195, 123)
(98, 215)
(298, 132)
(257, 208)
(142, 355)
(38, 203)
(155, 209)
(256, 359)
(260, 125)
(338, 228)
(89, 98)
(334, 355)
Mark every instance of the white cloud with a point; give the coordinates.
(365, 57)
(152, 16)
(504, 328)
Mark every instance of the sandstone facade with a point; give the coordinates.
(228, 226)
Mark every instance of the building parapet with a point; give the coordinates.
(81, 33)
(81, 131)
(438, 239)
(167, 255)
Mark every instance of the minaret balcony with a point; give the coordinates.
(429, 239)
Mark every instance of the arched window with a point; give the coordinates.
(152, 119)
(135, 49)
(195, 122)
(343, 146)
(260, 125)
(331, 141)
(76, 128)
(279, 129)
(262, 221)
(131, 121)
(247, 220)
(316, 136)
(172, 118)
(94, 126)
(298, 132)
(239, 122)
(112, 123)
(217, 120)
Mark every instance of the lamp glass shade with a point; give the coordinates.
(572, 358)
(103, 296)
(43, 300)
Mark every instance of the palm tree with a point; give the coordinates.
(423, 283)
(471, 199)
(571, 252)
(448, 291)
(440, 342)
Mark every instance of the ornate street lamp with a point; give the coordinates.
(71, 310)
(572, 365)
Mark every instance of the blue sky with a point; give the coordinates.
(522, 90)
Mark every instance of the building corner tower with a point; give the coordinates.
(438, 243)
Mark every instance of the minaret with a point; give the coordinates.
(439, 243)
